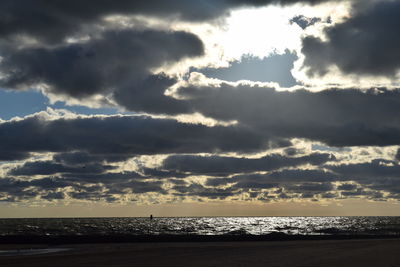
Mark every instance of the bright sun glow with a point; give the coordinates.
(260, 32)
(248, 32)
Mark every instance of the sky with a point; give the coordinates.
(199, 108)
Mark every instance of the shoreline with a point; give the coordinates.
(324, 253)
(84, 239)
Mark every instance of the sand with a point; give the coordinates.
(382, 253)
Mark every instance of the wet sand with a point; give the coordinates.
(385, 253)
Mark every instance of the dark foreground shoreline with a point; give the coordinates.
(82, 239)
(295, 253)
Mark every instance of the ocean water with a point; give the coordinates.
(202, 226)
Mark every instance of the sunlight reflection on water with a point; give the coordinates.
(202, 226)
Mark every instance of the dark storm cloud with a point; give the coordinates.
(49, 167)
(83, 158)
(120, 64)
(358, 192)
(121, 177)
(347, 187)
(53, 195)
(157, 173)
(369, 171)
(125, 135)
(276, 178)
(336, 117)
(388, 185)
(365, 44)
(310, 187)
(139, 187)
(378, 174)
(376, 195)
(16, 189)
(219, 166)
(253, 184)
(14, 185)
(117, 61)
(288, 183)
(53, 20)
(299, 175)
(103, 178)
(398, 154)
(13, 189)
(328, 195)
(290, 151)
(148, 96)
(295, 182)
(7, 155)
(201, 191)
(304, 22)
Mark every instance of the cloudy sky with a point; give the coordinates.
(187, 107)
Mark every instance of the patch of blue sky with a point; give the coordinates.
(21, 103)
(316, 147)
(275, 68)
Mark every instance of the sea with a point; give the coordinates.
(201, 226)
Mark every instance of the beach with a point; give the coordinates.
(374, 252)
